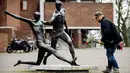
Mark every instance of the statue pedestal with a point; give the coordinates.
(64, 68)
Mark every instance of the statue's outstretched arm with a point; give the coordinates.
(17, 16)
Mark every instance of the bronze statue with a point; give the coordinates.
(37, 28)
(58, 21)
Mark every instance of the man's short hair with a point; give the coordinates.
(98, 13)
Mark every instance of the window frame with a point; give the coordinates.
(24, 5)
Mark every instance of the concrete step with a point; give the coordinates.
(63, 68)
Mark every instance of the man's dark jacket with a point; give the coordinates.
(110, 35)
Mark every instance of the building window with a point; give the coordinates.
(24, 5)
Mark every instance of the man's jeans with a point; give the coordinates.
(111, 59)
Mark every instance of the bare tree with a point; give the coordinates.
(123, 14)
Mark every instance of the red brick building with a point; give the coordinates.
(78, 16)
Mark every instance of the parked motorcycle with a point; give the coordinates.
(32, 44)
(18, 45)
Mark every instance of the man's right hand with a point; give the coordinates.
(100, 42)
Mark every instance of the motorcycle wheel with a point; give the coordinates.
(27, 49)
(9, 49)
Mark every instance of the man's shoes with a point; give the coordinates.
(107, 70)
(116, 70)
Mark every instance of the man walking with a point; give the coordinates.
(111, 38)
